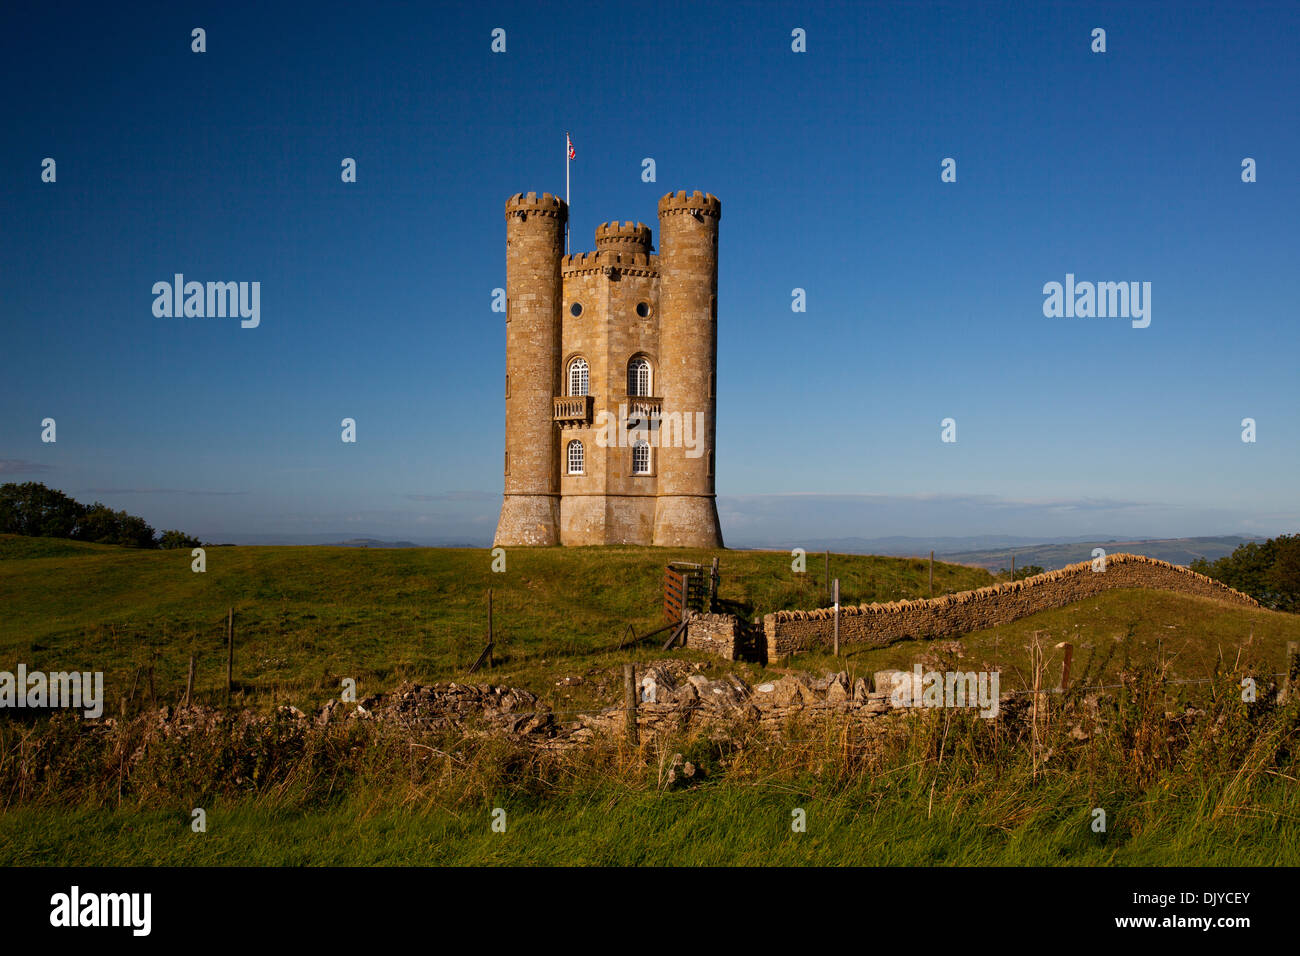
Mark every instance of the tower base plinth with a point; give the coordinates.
(528, 521)
(687, 521)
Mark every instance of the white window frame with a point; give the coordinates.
(638, 368)
(579, 368)
(638, 446)
(575, 453)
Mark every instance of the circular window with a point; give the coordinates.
(576, 309)
(642, 309)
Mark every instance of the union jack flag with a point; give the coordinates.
(573, 154)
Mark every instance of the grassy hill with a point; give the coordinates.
(306, 617)
(950, 789)
(1191, 637)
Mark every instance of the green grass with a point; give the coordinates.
(307, 617)
(888, 822)
(932, 794)
(1191, 636)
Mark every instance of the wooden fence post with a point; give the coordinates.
(1036, 665)
(1065, 666)
(714, 578)
(230, 652)
(1290, 664)
(629, 699)
(491, 639)
(837, 617)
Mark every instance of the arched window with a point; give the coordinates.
(638, 376)
(641, 458)
(578, 377)
(575, 457)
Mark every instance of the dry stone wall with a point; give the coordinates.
(878, 624)
(714, 633)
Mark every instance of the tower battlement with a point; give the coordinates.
(697, 202)
(544, 205)
(637, 263)
(626, 237)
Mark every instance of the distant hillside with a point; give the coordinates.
(1052, 556)
(904, 546)
(13, 546)
(371, 543)
(340, 539)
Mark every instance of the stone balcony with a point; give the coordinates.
(643, 407)
(576, 410)
(572, 410)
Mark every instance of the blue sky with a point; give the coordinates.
(924, 299)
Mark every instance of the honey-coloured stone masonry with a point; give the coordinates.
(611, 375)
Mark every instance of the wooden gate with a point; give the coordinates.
(684, 588)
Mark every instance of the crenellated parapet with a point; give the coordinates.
(525, 204)
(696, 203)
(629, 263)
(627, 237)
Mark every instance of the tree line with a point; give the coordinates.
(1268, 572)
(35, 510)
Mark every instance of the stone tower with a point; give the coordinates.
(610, 379)
(530, 513)
(686, 513)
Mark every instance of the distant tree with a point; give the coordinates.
(176, 539)
(100, 525)
(1268, 572)
(33, 509)
(1028, 571)
(103, 525)
(1283, 578)
(136, 532)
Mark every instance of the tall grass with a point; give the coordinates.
(1200, 776)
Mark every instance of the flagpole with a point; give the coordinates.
(566, 192)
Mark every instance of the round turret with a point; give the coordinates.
(534, 294)
(686, 513)
(623, 238)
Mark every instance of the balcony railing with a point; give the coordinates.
(572, 410)
(643, 407)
